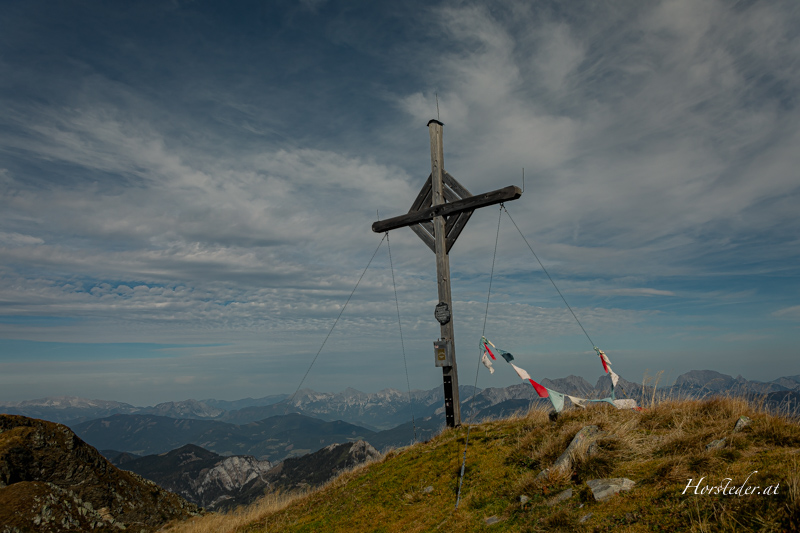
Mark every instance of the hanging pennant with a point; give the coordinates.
(541, 391)
(603, 359)
(505, 355)
(557, 399)
(484, 344)
(487, 363)
(614, 378)
(580, 402)
(626, 404)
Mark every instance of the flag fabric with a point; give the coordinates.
(603, 359)
(486, 348)
(505, 355)
(580, 402)
(541, 391)
(557, 398)
(626, 404)
(487, 363)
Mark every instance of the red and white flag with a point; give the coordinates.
(541, 391)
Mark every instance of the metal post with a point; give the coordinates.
(452, 403)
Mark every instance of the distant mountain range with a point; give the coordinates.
(271, 439)
(274, 428)
(73, 410)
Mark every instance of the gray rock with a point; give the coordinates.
(603, 489)
(742, 423)
(585, 517)
(428, 489)
(560, 497)
(523, 499)
(491, 520)
(715, 444)
(581, 443)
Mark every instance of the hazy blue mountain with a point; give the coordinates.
(273, 439)
(66, 409)
(183, 409)
(227, 405)
(143, 434)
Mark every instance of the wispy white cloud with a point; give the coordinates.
(791, 313)
(224, 191)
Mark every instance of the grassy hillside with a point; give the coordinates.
(660, 449)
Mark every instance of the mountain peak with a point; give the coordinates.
(708, 379)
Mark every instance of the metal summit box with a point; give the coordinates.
(443, 352)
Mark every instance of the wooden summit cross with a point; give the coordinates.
(438, 216)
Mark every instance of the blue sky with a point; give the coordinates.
(187, 190)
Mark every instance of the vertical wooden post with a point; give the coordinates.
(452, 403)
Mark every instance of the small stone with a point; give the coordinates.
(715, 444)
(560, 497)
(603, 489)
(491, 520)
(742, 423)
(585, 517)
(428, 489)
(523, 499)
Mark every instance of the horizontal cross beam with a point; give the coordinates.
(512, 192)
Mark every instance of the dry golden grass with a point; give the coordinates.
(660, 448)
(234, 520)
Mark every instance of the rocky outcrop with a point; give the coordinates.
(50, 480)
(314, 469)
(222, 483)
(203, 477)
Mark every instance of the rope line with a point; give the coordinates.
(613, 392)
(402, 345)
(289, 402)
(491, 275)
(478, 366)
(548, 277)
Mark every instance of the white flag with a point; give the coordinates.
(520, 372)
(625, 404)
(487, 363)
(580, 402)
